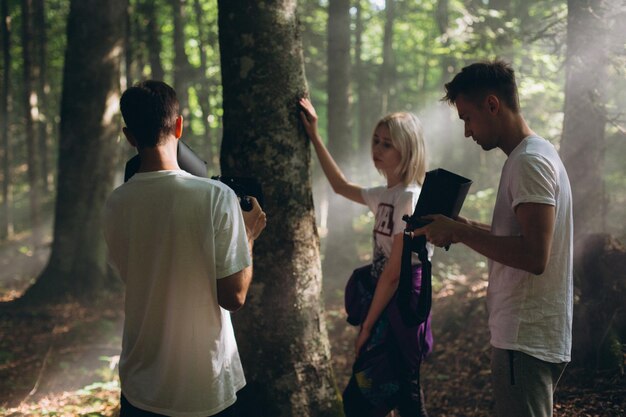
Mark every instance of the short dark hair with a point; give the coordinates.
(149, 109)
(480, 79)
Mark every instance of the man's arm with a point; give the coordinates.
(232, 290)
(530, 251)
(474, 223)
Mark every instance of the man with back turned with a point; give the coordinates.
(183, 248)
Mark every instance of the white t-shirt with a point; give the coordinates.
(389, 205)
(533, 313)
(171, 236)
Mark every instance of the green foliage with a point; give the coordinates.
(428, 48)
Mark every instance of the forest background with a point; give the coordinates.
(358, 60)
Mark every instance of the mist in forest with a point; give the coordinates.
(389, 55)
(394, 64)
(446, 148)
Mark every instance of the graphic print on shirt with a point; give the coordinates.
(384, 219)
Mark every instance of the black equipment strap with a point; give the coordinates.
(414, 316)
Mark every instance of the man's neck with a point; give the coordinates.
(159, 158)
(515, 131)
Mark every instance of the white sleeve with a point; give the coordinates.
(535, 181)
(232, 253)
(372, 197)
(404, 205)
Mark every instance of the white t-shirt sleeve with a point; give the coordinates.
(232, 253)
(404, 205)
(372, 197)
(535, 181)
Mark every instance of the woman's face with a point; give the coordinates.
(386, 157)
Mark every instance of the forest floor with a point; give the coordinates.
(62, 360)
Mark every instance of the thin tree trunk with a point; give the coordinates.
(127, 78)
(281, 331)
(340, 253)
(582, 145)
(442, 16)
(364, 124)
(41, 73)
(6, 220)
(387, 72)
(88, 132)
(202, 83)
(30, 108)
(181, 64)
(153, 39)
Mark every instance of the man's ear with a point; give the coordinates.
(129, 137)
(178, 129)
(493, 104)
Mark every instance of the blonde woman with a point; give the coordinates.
(388, 353)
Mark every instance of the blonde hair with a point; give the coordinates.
(407, 136)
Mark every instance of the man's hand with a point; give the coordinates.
(254, 219)
(442, 231)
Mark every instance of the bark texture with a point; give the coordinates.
(281, 331)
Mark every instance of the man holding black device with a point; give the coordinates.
(183, 248)
(529, 243)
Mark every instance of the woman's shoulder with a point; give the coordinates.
(411, 189)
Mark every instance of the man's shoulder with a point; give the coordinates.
(537, 147)
(203, 183)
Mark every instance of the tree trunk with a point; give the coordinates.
(30, 108)
(88, 132)
(599, 328)
(387, 72)
(281, 331)
(582, 145)
(6, 219)
(153, 39)
(364, 124)
(202, 83)
(340, 252)
(41, 73)
(127, 77)
(181, 64)
(442, 16)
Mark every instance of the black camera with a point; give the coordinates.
(190, 162)
(244, 187)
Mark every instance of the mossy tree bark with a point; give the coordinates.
(281, 331)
